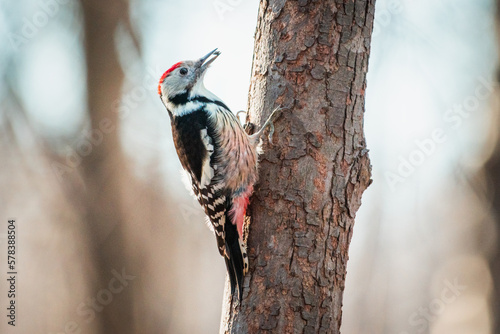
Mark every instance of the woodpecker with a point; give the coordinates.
(218, 155)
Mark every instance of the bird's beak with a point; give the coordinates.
(205, 61)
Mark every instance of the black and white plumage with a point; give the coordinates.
(220, 158)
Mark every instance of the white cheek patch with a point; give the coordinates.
(207, 172)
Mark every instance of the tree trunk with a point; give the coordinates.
(492, 174)
(491, 170)
(105, 169)
(311, 57)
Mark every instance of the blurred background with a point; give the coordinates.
(109, 239)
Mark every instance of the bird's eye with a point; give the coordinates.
(183, 71)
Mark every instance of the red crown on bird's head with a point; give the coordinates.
(166, 74)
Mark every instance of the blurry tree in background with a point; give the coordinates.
(105, 170)
(492, 171)
(418, 258)
(312, 59)
(492, 185)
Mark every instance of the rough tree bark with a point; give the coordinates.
(310, 57)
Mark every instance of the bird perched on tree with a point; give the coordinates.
(219, 156)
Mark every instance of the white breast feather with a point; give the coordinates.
(207, 172)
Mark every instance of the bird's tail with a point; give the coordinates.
(235, 259)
